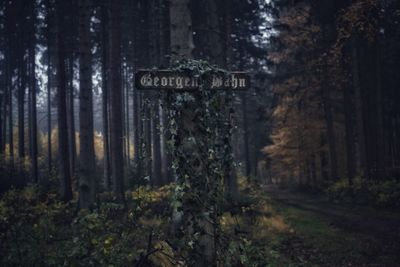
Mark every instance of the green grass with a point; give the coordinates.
(334, 244)
(331, 246)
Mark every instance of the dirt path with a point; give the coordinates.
(347, 217)
(379, 230)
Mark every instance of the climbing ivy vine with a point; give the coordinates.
(199, 128)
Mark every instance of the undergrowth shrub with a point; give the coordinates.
(36, 229)
(377, 193)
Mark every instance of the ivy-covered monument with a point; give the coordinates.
(198, 98)
(199, 106)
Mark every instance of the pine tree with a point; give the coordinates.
(87, 183)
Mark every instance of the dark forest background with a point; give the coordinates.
(58, 78)
(322, 114)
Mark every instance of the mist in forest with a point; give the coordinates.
(199, 133)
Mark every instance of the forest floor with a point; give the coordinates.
(327, 234)
(262, 226)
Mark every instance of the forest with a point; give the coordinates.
(169, 133)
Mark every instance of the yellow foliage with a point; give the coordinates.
(150, 222)
(164, 256)
(150, 196)
(258, 221)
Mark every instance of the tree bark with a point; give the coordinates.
(380, 140)
(33, 130)
(136, 130)
(87, 184)
(164, 47)
(361, 151)
(9, 61)
(165, 157)
(123, 87)
(147, 138)
(116, 101)
(49, 84)
(63, 146)
(349, 123)
(327, 106)
(32, 90)
(247, 163)
(155, 57)
(127, 128)
(105, 98)
(155, 136)
(181, 48)
(21, 105)
(181, 29)
(71, 114)
(1, 128)
(3, 114)
(10, 122)
(49, 118)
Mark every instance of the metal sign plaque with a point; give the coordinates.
(173, 80)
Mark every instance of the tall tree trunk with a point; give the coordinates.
(155, 60)
(116, 101)
(105, 98)
(380, 140)
(1, 128)
(9, 61)
(164, 43)
(326, 14)
(71, 114)
(3, 104)
(361, 151)
(147, 138)
(63, 146)
(181, 29)
(33, 124)
(313, 171)
(49, 117)
(349, 111)
(10, 122)
(140, 133)
(49, 84)
(30, 120)
(155, 136)
(215, 51)
(4, 111)
(87, 184)
(370, 98)
(21, 105)
(32, 89)
(327, 106)
(323, 158)
(181, 48)
(246, 153)
(3, 88)
(165, 157)
(3, 114)
(127, 128)
(143, 59)
(211, 42)
(123, 87)
(136, 128)
(349, 129)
